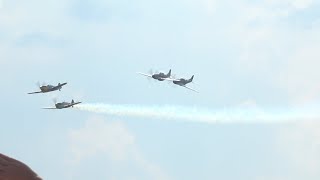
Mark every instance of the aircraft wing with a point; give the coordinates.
(148, 75)
(191, 89)
(35, 92)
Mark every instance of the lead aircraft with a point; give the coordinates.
(158, 76)
(49, 88)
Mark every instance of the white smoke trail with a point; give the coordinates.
(237, 115)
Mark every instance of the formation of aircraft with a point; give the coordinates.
(49, 88)
(158, 76)
(161, 77)
(63, 105)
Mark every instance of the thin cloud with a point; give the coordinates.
(101, 138)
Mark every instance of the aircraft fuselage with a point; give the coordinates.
(159, 77)
(181, 82)
(62, 105)
(49, 88)
(66, 104)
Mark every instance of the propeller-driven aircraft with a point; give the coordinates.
(49, 88)
(63, 105)
(182, 82)
(158, 76)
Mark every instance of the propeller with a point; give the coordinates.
(150, 71)
(55, 100)
(172, 77)
(40, 84)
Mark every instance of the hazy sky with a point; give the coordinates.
(256, 54)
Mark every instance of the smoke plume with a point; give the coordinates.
(236, 115)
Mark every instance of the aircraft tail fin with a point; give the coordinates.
(72, 102)
(169, 73)
(191, 79)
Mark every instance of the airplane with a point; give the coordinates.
(182, 82)
(49, 88)
(158, 76)
(63, 105)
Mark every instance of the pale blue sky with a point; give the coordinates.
(259, 54)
